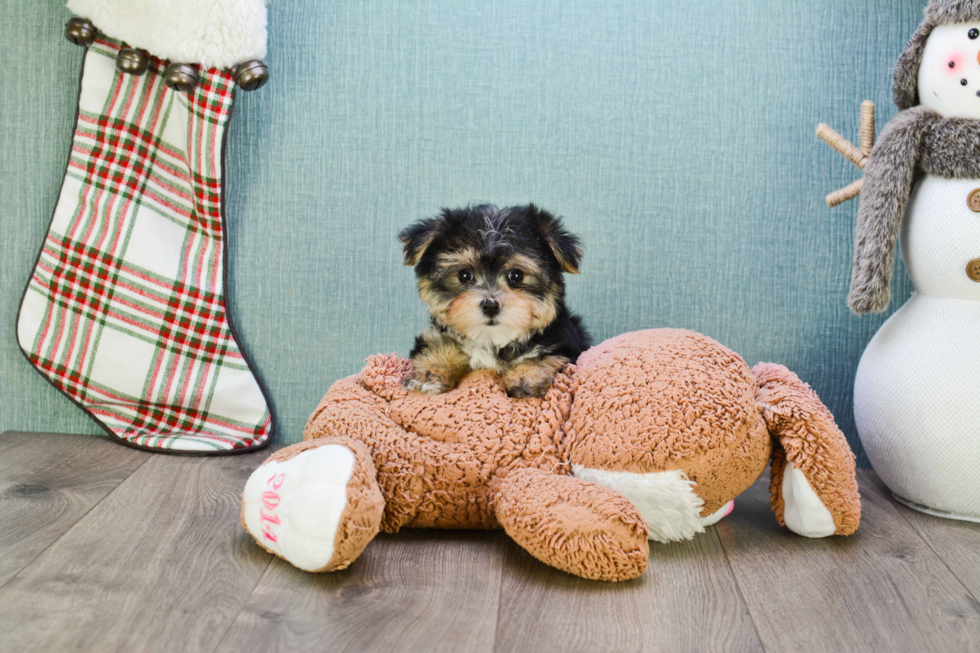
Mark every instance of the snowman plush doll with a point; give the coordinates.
(917, 391)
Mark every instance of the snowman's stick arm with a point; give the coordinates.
(858, 157)
(842, 145)
(845, 194)
(867, 127)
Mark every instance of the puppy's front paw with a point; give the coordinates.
(526, 387)
(429, 382)
(532, 378)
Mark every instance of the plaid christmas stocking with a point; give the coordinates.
(125, 310)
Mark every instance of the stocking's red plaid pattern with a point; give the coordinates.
(125, 311)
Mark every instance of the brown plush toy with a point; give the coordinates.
(650, 436)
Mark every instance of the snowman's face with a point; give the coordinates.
(949, 77)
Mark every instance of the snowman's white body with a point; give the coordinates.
(917, 391)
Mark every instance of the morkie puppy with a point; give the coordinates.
(493, 283)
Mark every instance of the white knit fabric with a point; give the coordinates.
(917, 391)
(213, 33)
(940, 235)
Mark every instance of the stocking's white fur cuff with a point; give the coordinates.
(213, 33)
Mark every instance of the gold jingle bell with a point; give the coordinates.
(132, 61)
(80, 31)
(181, 77)
(252, 75)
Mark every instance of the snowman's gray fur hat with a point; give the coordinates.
(939, 12)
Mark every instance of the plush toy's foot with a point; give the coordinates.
(574, 525)
(721, 513)
(316, 504)
(812, 473)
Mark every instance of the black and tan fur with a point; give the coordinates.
(493, 282)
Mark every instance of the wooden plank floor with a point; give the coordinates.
(104, 548)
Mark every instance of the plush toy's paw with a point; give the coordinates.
(812, 478)
(573, 525)
(316, 504)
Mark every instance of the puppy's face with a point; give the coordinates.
(494, 276)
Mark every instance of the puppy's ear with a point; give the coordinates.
(417, 238)
(566, 247)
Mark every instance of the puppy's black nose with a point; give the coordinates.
(490, 307)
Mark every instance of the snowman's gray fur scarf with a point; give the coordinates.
(888, 178)
(916, 142)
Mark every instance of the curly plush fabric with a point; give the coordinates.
(663, 422)
(578, 527)
(654, 401)
(435, 456)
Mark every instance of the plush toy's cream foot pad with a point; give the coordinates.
(316, 505)
(803, 510)
(718, 515)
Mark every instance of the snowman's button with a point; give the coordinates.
(973, 201)
(973, 270)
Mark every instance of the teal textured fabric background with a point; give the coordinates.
(676, 137)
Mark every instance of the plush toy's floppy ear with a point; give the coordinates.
(417, 238)
(566, 247)
(812, 475)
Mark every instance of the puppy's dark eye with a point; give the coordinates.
(465, 276)
(974, 33)
(515, 277)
